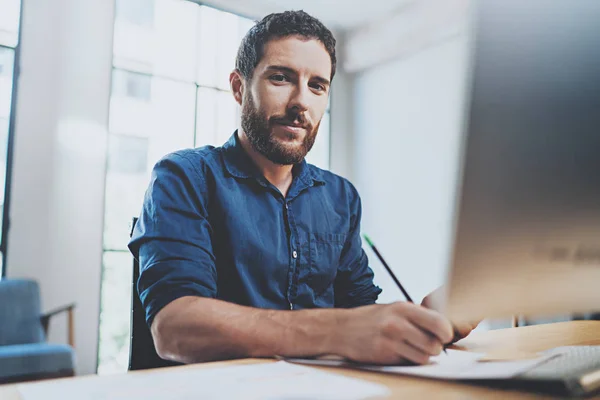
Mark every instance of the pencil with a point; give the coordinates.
(389, 270)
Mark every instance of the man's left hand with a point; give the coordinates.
(461, 330)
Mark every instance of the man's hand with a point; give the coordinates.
(461, 330)
(392, 334)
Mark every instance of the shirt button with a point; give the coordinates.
(295, 254)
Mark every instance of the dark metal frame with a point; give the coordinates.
(10, 144)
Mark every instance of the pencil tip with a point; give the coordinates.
(367, 239)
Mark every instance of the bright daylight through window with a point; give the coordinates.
(9, 40)
(170, 90)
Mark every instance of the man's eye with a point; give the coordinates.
(279, 78)
(318, 86)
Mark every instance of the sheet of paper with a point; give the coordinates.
(452, 357)
(455, 365)
(278, 380)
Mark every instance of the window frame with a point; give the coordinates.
(16, 72)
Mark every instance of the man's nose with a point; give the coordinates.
(300, 100)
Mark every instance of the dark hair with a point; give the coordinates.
(279, 25)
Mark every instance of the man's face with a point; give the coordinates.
(286, 98)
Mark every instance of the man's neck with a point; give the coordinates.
(279, 175)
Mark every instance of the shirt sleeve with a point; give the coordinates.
(172, 238)
(354, 285)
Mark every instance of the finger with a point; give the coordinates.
(431, 321)
(421, 340)
(426, 302)
(462, 330)
(424, 341)
(433, 299)
(407, 352)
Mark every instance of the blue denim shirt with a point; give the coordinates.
(213, 226)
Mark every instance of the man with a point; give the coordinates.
(247, 250)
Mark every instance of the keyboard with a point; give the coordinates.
(576, 369)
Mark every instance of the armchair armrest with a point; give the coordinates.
(45, 320)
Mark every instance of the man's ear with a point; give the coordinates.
(236, 81)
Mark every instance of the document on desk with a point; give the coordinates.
(456, 365)
(275, 380)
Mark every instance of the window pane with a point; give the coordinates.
(126, 183)
(228, 42)
(167, 114)
(226, 116)
(217, 117)
(208, 20)
(3, 151)
(157, 37)
(6, 80)
(206, 120)
(135, 12)
(9, 22)
(7, 57)
(220, 34)
(142, 131)
(319, 155)
(115, 298)
(132, 85)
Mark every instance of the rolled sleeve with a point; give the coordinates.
(172, 239)
(354, 285)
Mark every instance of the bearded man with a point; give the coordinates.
(246, 250)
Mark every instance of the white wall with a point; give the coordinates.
(407, 116)
(59, 160)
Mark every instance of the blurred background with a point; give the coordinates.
(94, 92)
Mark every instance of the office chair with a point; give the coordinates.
(142, 353)
(24, 353)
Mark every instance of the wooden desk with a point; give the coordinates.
(524, 339)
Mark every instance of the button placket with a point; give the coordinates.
(292, 262)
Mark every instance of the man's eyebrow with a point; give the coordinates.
(289, 70)
(322, 80)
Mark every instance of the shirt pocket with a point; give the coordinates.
(325, 252)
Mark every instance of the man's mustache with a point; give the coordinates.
(293, 120)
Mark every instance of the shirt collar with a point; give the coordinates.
(239, 164)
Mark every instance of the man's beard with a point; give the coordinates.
(258, 130)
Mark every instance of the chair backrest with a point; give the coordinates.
(142, 353)
(20, 312)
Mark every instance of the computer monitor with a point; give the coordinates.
(527, 221)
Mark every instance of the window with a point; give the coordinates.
(9, 43)
(136, 12)
(170, 90)
(132, 85)
(319, 154)
(9, 22)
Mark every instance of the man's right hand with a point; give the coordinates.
(392, 334)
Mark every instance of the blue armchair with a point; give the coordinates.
(24, 353)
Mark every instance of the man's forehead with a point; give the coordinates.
(299, 54)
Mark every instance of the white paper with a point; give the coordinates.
(451, 357)
(455, 365)
(278, 380)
